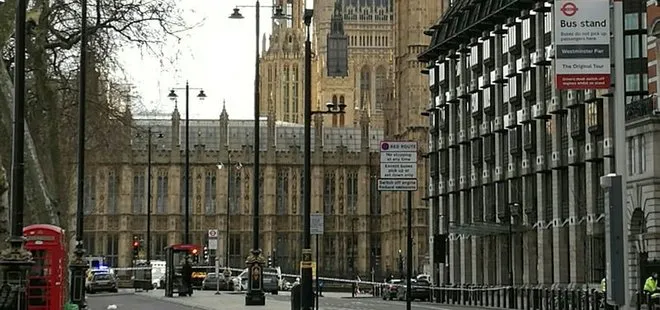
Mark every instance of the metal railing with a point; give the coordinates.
(646, 107)
(526, 298)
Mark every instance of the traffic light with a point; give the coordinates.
(195, 256)
(136, 248)
(270, 261)
(206, 254)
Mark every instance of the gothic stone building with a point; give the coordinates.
(344, 189)
(508, 148)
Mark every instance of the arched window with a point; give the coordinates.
(286, 97)
(381, 88)
(334, 116)
(341, 116)
(294, 103)
(365, 86)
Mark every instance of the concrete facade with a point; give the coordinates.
(515, 163)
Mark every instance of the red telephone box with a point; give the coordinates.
(46, 278)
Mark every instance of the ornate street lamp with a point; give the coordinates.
(173, 96)
(255, 261)
(150, 134)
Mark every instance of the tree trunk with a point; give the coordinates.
(4, 207)
(38, 198)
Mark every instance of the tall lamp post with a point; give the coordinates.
(332, 108)
(15, 261)
(255, 261)
(78, 266)
(228, 203)
(173, 96)
(150, 133)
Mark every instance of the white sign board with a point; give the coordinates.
(316, 221)
(398, 171)
(213, 234)
(582, 44)
(398, 166)
(397, 185)
(213, 244)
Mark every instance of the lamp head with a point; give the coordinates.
(307, 16)
(330, 105)
(279, 13)
(341, 106)
(236, 14)
(160, 135)
(201, 95)
(172, 95)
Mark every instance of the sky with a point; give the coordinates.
(218, 56)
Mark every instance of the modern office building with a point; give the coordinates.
(515, 163)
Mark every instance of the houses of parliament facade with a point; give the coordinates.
(364, 229)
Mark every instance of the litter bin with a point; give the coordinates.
(296, 294)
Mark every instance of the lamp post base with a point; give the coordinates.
(14, 264)
(255, 295)
(78, 267)
(255, 298)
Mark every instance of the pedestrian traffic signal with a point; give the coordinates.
(270, 261)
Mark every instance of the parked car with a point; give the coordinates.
(213, 282)
(102, 282)
(421, 289)
(390, 290)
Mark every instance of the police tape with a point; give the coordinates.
(343, 280)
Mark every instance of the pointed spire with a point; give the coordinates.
(175, 113)
(224, 114)
(263, 44)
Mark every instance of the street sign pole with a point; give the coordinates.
(317, 227)
(398, 173)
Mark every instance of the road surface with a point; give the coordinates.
(130, 301)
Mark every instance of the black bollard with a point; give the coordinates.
(296, 294)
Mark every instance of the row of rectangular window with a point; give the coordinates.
(235, 190)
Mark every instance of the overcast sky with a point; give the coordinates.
(218, 56)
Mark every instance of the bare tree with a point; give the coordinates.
(52, 109)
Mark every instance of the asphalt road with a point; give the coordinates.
(129, 301)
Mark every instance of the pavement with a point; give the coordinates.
(207, 300)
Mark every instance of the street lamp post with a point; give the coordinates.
(255, 261)
(173, 96)
(332, 108)
(149, 199)
(15, 260)
(78, 266)
(228, 201)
